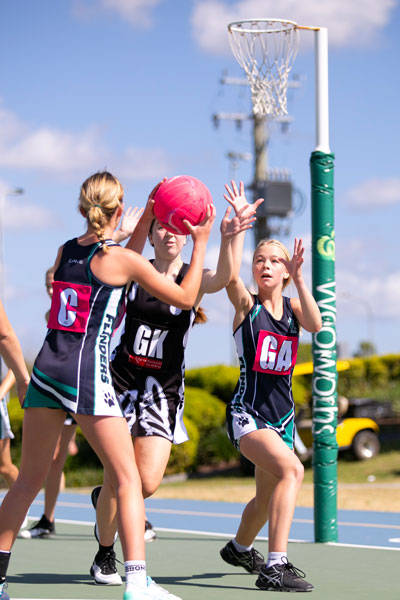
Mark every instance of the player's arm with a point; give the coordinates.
(54, 268)
(304, 307)
(11, 352)
(231, 229)
(243, 209)
(139, 235)
(120, 266)
(7, 383)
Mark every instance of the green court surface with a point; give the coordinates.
(189, 566)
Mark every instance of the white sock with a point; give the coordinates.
(135, 574)
(275, 558)
(241, 548)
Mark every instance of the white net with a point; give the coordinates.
(266, 49)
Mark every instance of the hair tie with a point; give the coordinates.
(97, 205)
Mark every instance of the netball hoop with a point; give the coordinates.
(266, 49)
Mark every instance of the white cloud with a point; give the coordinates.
(350, 24)
(71, 153)
(375, 193)
(366, 294)
(20, 215)
(142, 164)
(139, 13)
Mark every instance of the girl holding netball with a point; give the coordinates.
(148, 369)
(260, 416)
(71, 373)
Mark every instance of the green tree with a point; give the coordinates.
(365, 348)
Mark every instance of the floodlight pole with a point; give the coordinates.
(324, 378)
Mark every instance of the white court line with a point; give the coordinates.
(225, 535)
(173, 511)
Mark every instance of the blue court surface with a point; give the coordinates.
(185, 557)
(356, 528)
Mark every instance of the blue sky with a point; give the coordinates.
(131, 85)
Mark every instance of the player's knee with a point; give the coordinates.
(298, 472)
(294, 472)
(149, 487)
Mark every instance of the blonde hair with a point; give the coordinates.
(282, 247)
(100, 196)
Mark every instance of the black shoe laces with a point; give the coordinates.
(107, 562)
(292, 570)
(257, 558)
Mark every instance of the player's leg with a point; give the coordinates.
(55, 475)
(152, 454)
(45, 527)
(36, 456)
(111, 441)
(240, 550)
(270, 454)
(41, 429)
(104, 567)
(266, 449)
(7, 468)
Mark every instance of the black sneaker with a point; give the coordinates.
(104, 569)
(95, 495)
(252, 560)
(41, 529)
(283, 577)
(149, 533)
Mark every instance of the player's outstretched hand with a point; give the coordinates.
(294, 265)
(201, 232)
(237, 199)
(231, 227)
(129, 221)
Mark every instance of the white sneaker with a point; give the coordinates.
(105, 570)
(24, 523)
(3, 591)
(152, 590)
(159, 592)
(149, 533)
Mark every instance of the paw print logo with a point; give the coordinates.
(108, 399)
(242, 421)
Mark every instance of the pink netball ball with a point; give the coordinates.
(181, 197)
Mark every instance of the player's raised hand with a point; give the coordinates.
(294, 265)
(202, 231)
(129, 220)
(231, 227)
(237, 199)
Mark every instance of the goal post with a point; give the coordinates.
(266, 49)
(324, 378)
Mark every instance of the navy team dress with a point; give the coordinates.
(71, 370)
(267, 351)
